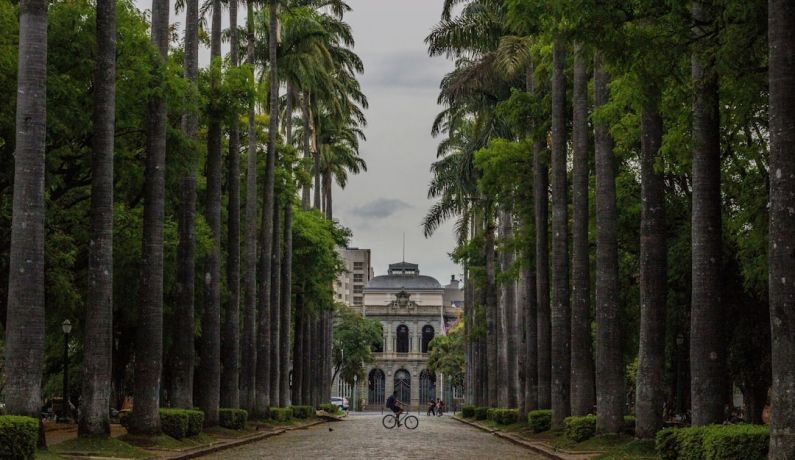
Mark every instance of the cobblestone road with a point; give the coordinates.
(363, 436)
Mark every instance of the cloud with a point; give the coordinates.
(402, 69)
(380, 208)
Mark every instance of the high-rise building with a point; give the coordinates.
(350, 284)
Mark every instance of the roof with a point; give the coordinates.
(404, 282)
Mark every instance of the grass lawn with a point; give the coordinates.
(220, 432)
(167, 442)
(100, 447)
(47, 455)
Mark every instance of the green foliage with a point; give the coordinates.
(714, 442)
(503, 416)
(281, 414)
(540, 420)
(666, 444)
(18, 436)
(468, 411)
(303, 412)
(579, 429)
(481, 413)
(195, 422)
(99, 447)
(354, 338)
(446, 355)
(175, 422)
(629, 425)
(332, 409)
(234, 419)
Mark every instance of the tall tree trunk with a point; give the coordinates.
(298, 352)
(508, 301)
(276, 273)
(249, 351)
(230, 351)
(306, 190)
(145, 418)
(97, 365)
(327, 185)
(286, 303)
(210, 345)
(492, 321)
(609, 359)
(781, 21)
(650, 384)
(469, 343)
(182, 353)
(263, 343)
(306, 389)
(531, 343)
(707, 351)
(582, 366)
(560, 314)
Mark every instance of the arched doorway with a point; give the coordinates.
(403, 385)
(402, 339)
(427, 336)
(427, 386)
(375, 387)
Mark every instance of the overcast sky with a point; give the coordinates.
(401, 83)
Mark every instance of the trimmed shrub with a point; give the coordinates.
(468, 411)
(629, 425)
(746, 442)
(666, 444)
(234, 419)
(690, 443)
(578, 429)
(195, 422)
(503, 416)
(303, 411)
(540, 420)
(330, 408)
(18, 436)
(174, 422)
(281, 414)
(481, 413)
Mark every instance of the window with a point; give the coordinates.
(358, 278)
(357, 289)
(427, 336)
(358, 265)
(402, 339)
(357, 301)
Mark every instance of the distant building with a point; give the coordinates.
(349, 287)
(412, 309)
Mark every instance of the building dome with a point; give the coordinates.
(403, 275)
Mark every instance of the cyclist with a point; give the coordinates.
(395, 405)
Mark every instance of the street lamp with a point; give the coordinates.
(66, 326)
(355, 379)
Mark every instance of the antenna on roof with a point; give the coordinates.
(404, 247)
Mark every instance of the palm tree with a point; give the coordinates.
(609, 359)
(707, 354)
(275, 302)
(95, 399)
(25, 309)
(230, 343)
(582, 367)
(560, 315)
(210, 344)
(182, 355)
(781, 24)
(145, 418)
(286, 304)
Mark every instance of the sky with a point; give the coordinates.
(401, 83)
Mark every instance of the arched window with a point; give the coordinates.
(427, 386)
(427, 336)
(402, 341)
(403, 385)
(375, 387)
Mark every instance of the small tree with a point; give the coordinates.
(446, 355)
(354, 339)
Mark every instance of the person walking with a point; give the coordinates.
(431, 407)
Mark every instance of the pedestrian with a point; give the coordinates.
(431, 407)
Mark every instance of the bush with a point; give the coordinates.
(195, 422)
(124, 419)
(174, 422)
(18, 436)
(666, 445)
(503, 416)
(690, 443)
(540, 420)
(281, 414)
(579, 429)
(330, 408)
(468, 411)
(746, 442)
(481, 413)
(234, 419)
(629, 425)
(303, 411)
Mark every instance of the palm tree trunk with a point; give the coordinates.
(305, 191)
(286, 303)
(327, 195)
(230, 351)
(97, 365)
(145, 418)
(263, 396)
(492, 321)
(210, 344)
(707, 351)
(249, 352)
(560, 315)
(531, 343)
(298, 352)
(508, 350)
(649, 394)
(306, 389)
(582, 367)
(276, 272)
(609, 358)
(781, 21)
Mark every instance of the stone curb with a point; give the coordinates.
(535, 447)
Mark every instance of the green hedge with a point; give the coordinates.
(175, 422)
(18, 436)
(234, 419)
(330, 408)
(281, 414)
(578, 429)
(468, 411)
(713, 442)
(629, 425)
(481, 413)
(303, 411)
(540, 420)
(195, 422)
(503, 416)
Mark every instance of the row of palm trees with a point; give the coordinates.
(522, 75)
(303, 45)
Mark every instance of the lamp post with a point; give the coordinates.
(66, 326)
(355, 379)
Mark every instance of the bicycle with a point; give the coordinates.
(409, 421)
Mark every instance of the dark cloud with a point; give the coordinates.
(380, 208)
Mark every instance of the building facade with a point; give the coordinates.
(350, 284)
(412, 309)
